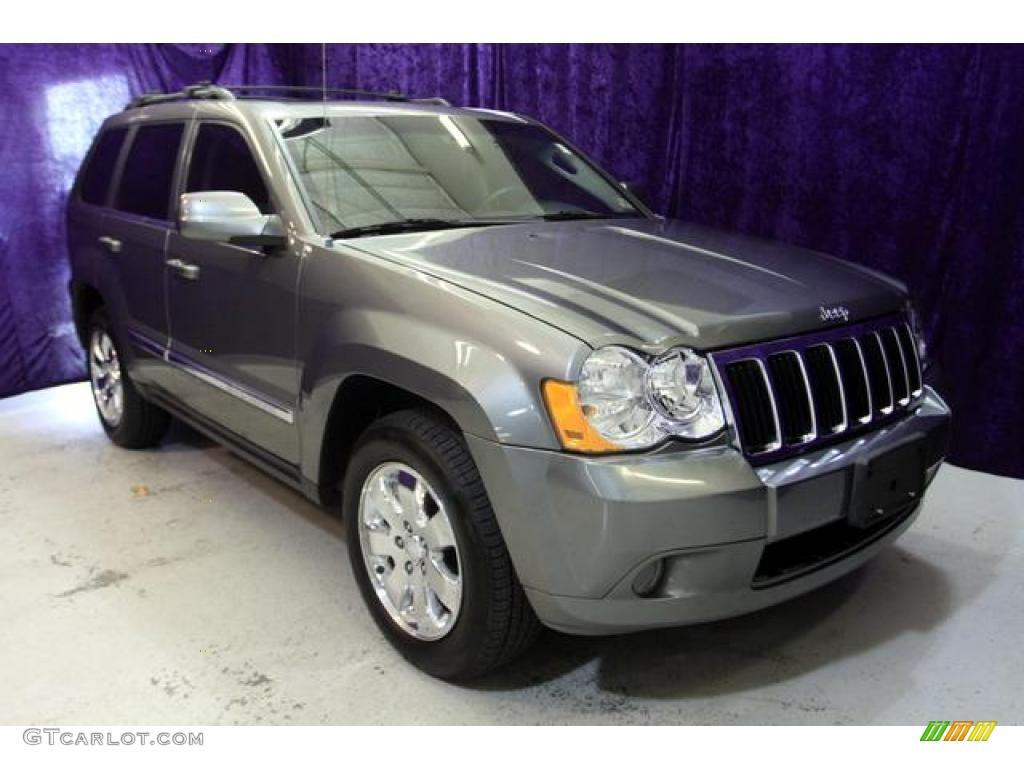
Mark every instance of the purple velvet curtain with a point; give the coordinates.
(52, 100)
(909, 159)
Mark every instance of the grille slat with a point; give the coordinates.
(897, 366)
(909, 346)
(855, 378)
(826, 388)
(796, 411)
(878, 374)
(789, 396)
(755, 406)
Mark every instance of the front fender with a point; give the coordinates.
(479, 361)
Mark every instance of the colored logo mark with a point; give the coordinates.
(958, 730)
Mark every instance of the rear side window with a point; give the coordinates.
(145, 187)
(100, 170)
(223, 162)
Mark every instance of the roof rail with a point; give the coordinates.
(314, 92)
(208, 90)
(203, 90)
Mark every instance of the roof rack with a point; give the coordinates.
(204, 90)
(208, 90)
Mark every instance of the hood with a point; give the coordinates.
(649, 283)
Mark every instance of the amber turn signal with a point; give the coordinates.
(572, 427)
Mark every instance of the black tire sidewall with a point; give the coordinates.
(131, 413)
(456, 653)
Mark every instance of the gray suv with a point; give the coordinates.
(536, 402)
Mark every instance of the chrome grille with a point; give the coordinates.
(795, 394)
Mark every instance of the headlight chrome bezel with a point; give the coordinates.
(630, 401)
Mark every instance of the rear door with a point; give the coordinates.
(91, 259)
(136, 230)
(232, 309)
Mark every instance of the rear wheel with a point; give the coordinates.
(128, 419)
(426, 550)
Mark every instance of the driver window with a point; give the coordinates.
(222, 161)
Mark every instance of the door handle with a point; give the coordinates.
(112, 244)
(184, 269)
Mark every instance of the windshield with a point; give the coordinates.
(362, 172)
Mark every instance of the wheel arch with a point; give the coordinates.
(85, 299)
(359, 400)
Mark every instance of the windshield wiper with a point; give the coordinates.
(415, 225)
(398, 226)
(577, 215)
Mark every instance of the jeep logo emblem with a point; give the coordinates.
(839, 312)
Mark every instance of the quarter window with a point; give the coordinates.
(100, 170)
(145, 187)
(223, 162)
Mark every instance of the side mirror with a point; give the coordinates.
(228, 217)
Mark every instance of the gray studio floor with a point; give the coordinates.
(182, 586)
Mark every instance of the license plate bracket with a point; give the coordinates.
(886, 484)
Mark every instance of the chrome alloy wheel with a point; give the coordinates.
(410, 552)
(105, 375)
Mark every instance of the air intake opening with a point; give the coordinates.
(793, 557)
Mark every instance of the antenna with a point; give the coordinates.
(328, 241)
(323, 72)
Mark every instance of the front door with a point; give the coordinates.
(232, 309)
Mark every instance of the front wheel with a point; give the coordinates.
(426, 550)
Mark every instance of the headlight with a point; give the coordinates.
(613, 396)
(622, 401)
(683, 390)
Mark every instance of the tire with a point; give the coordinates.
(494, 621)
(139, 423)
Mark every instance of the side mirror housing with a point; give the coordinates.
(228, 217)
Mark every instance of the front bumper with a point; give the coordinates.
(580, 530)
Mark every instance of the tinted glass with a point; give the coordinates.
(145, 186)
(360, 171)
(97, 175)
(222, 162)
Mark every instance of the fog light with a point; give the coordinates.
(649, 578)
